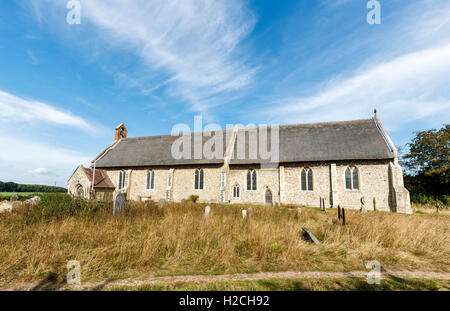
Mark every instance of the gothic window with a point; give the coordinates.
(199, 179)
(306, 179)
(351, 178)
(123, 180)
(80, 192)
(236, 191)
(150, 180)
(251, 179)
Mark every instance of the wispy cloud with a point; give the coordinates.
(32, 59)
(407, 88)
(16, 109)
(192, 44)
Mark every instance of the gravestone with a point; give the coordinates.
(207, 210)
(299, 211)
(119, 204)
(363, 205)
(244, 213)
(162, 203)
(250, 210)
(309, 236)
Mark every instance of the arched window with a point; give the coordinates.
(236, 191)
(306, 177)
(199, 178)
(251, 179)
(80, 192)
(351, 178)
(150, 180)
(123, 180)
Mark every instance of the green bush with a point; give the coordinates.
(193, 198)
(59, 205)
(421, 198)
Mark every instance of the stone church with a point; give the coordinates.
(349, 163)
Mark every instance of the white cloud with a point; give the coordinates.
(25, 160)
(191, 44)
(39, 171)
(16, 109)
(405, 89)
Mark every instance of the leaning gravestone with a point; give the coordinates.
(309, 236)
(162, 203)
(119, 204)
(207, 210)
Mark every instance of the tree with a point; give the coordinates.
(428, 160)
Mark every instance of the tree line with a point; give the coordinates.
(427, 166)
(13, 187)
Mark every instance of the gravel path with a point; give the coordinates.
(48, 285)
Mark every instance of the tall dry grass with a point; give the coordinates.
(179, 239)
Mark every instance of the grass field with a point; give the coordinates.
(179, 240)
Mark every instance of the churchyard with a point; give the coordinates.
(149, 239)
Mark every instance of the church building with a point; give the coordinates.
(349, 163)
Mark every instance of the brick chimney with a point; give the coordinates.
(121, 132)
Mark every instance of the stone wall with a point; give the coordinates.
(78, 179)
(380, 183)
(265, 179)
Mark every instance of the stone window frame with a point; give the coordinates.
(352, 167)
(201, 179)
(79, 187)
(238, 187)
(306, 169)
(253, 181)
(152, 177)
(123, 180)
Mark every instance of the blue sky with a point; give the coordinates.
(153, 64)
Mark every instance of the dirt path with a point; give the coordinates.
(48, 285)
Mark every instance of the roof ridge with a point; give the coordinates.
(244, 128)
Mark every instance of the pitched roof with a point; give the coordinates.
(157, 151)
(101, 178)
(327, 141)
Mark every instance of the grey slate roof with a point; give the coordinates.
(328, 141)
(154, 151)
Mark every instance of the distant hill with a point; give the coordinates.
(13, 187)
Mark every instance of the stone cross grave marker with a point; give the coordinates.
(119, 204)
